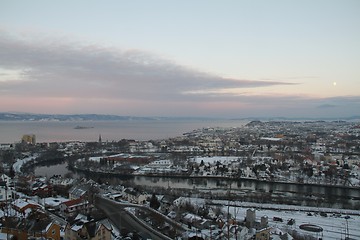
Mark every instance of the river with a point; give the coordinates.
(242, 189)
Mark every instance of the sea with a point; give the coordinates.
(89, 131)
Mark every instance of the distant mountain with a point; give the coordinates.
(270, 119)
(63, 117)
(15, 116)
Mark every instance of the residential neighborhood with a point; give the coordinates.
(266, 180)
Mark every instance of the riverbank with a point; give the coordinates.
(240, 189)
(188, 176)
(224, 187)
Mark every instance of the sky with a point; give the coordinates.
(203, 58)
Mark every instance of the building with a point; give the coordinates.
(263, 234)
(42, 190)
(73, 207)
(29, 139)
(264, 222)
(37, 225)
(82, 228)
(6, 146)
(79, 191)
(250, 218)
(134, 196)
(125, 158)
(6, 194)
(24, 206)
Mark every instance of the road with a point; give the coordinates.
(123, 220)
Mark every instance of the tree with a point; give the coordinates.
(11, 173)
(309, 171)
(154, 202)
(8, 156)
(69, 175)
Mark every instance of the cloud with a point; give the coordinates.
(66, 69)
(340, 102)
(62, 76)
(327, 106)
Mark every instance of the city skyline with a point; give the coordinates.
(200, 59)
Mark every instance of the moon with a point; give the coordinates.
(334, 83)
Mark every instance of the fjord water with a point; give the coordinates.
(63, 131)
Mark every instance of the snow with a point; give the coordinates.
(76, 227)
(54, 202)
(213, 160)
(95, 159)
(21, 203)
(270, 139)
(20, 162)
(334, 225)
(5, 236)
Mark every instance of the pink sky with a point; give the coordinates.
(238, 59)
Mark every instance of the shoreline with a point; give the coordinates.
(131, 175)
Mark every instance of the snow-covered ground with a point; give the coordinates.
(20, 162)
(335, 225)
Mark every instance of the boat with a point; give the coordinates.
(82, 127)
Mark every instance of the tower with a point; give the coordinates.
(250, 218)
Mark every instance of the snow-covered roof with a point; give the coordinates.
(21, 203)
(270, 139)
(54, 201)
(213, 160)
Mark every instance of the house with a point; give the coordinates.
(58, 180)
(133, 196)
(84, 190)
(36, 225)
(193, 220)
(166, 203)
(235, 231)
(79, 191)
(11, 226)
(6, 146)
(243, 233)
(24, 206)
(6, 194)
(277, 234)
(52, 231)
(52, 203)
(263, 234)
(42, 190)
(82, 228)
(5, 178)
(115, 196)
(72, 207)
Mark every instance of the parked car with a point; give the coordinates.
(277, 219)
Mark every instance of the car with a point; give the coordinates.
(172, 215)
(291, 221)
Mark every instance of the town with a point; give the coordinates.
(266, 180)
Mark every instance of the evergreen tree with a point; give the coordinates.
(154, 202)
(12, 173)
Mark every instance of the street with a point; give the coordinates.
(125, 221)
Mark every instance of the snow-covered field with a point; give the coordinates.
(335, 225)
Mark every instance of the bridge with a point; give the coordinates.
(123, 219)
